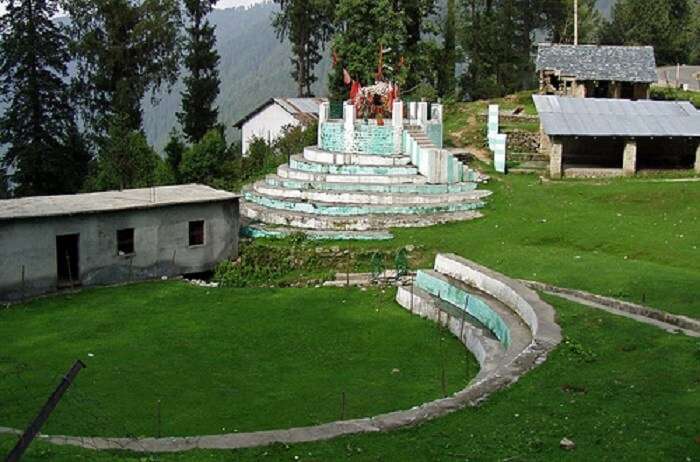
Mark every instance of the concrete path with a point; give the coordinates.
(669, 322)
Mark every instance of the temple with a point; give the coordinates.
(381, 166)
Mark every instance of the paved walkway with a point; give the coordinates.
(669, 322)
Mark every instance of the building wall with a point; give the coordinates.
(267, 124)
(161, 241)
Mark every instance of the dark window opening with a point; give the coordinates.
(67, 260)
(125, 241)
(589, 152)
(665, 153)
(197, 232)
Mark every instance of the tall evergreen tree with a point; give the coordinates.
(362, 26)
(45, 149)
(308, 25)
(668, 25)
(446, 66)
(123, 50)
(561, 22)
(199, 113)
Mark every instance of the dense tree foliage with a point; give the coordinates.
(45, 150)
(123, 49)
(561, 21)
(446, 68)
(205, 161)
(125, 160)
(362, 27)
(199, 113)
(307, 24)
(671, 26)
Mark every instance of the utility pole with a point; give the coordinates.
(33, 429)
(575, 22)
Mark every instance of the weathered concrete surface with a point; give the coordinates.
(315, 154)
(555, 159)
(285, 171)
(499, 370)
(349, 223)
(161, 246)
(629, 158)
(367, 198)
(672, 323)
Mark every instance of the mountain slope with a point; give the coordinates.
(254, 67)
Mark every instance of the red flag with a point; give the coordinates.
(347, 80)
(355, 90)
(335, 58)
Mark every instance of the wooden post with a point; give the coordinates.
(25, 440)
(697, 158)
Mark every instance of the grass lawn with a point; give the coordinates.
(619, 389)
(219, 360)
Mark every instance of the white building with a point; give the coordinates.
(269, 120)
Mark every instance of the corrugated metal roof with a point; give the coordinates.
(593, 62)
(566, 116)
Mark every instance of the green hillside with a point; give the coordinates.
(254, 67)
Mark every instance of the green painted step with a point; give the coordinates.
(439, 285)
(400, 188)
(319, 208)
(315, 167)
(255, 230)
(350, 196)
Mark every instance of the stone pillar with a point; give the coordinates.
(697, 159)
(436, 115)
(323, 113)
(423, 113)
(397, 123)
(555, 159)
(349, 126)
(629, 158)
(412, 111)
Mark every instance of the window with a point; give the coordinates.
(125, 241)
(197, 232)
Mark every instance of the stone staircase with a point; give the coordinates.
(504, 324)
(338, 195)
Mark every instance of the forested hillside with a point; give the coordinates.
(254, 67)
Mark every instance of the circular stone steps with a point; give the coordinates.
(315, 221)
(299, 163)
(398, 188)
(339, 193)
(365, 198)
(355, 209)
(285, 171)
(314, 154)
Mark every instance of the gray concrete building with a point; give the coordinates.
(53, 242)
(609, 137)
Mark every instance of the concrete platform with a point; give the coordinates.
(305, 221)
(299, 163)
(314, 154)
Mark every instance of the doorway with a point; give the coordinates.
(67, 260)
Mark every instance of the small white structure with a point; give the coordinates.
(271, 118)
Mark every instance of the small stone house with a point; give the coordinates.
(609, 137)
(269, 120)
(53, 242)
(593, 71)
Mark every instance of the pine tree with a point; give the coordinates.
(561, 22)
(123, 50)
(174, 151)
(446, 66)
(668, 25)
(308, 26)
(199, 114)
(45, 148)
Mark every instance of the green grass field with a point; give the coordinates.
(220, 361)
(619, 389)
